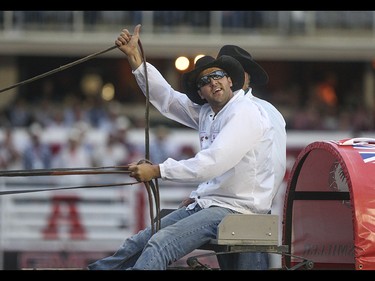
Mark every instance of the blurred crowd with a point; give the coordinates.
(320, 110)
(74, 148)
(323, 105)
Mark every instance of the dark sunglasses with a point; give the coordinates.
(216, 75)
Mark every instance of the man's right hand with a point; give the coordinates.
(128, 44)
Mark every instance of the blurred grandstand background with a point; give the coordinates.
(299, 49)
(321, 68)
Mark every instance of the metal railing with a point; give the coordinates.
(282, 23)
(290, 35)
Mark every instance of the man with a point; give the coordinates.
(256, 75)
(224, 121)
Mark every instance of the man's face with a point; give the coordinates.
(215, 86)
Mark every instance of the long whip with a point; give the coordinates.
(61, 68)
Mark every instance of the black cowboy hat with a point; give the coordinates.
(230, 65)
(258, 76)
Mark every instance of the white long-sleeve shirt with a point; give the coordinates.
(234, 166)
(280, 138)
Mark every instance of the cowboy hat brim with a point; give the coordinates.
(258, 76)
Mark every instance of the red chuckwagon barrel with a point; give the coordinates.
(329, 207)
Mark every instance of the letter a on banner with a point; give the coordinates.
(64, 213)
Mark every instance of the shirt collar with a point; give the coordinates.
(248, 91)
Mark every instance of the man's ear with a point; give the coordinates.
(230, 82)
(200, 94)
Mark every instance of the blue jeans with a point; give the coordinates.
(181, 232)
(244, 261)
